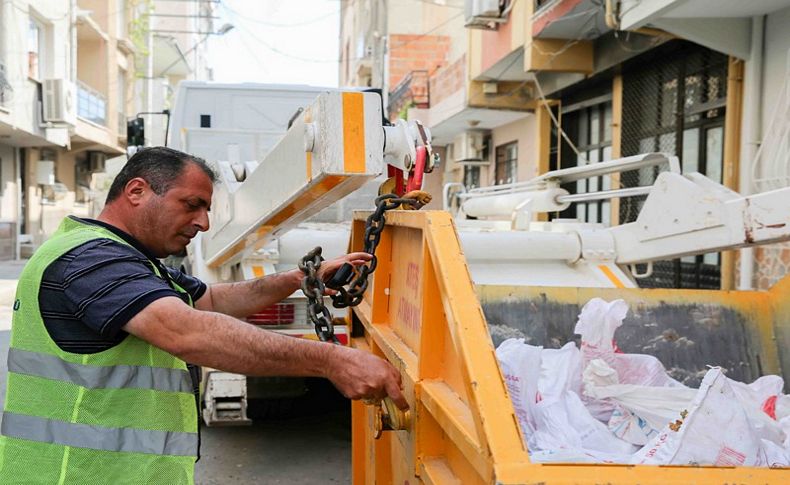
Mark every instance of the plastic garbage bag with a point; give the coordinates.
(640, 410)
(597, 324)
(564, 423)
(715, 430)
(543, 385)
(521, 367)
(533, 374)
(759, 400)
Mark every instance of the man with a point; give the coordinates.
(98, 385)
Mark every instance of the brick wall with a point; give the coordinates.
(415, 53)
(448, 80)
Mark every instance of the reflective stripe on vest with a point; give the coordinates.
(131, 440)
(124, 412)
(93, 377)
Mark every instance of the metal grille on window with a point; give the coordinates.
(471, 176)
(674, 103)
(588, 124)
(506, 163)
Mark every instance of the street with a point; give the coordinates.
(300, 450)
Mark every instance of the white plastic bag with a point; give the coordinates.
(543, 385)
(716, 430)
(755, 399)
(597, 323)
(564, 423)
(656, 405)
(640, 411)
(521, 367)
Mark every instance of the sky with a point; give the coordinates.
(277, 41)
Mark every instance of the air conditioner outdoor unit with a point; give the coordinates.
(484, 14)
(60, 101)
(469, 148)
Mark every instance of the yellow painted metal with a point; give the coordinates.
(423, 314)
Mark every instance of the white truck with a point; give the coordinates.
(292, 163)
(286, 153)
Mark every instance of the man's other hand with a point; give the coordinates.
(329, 267)
(361, 375)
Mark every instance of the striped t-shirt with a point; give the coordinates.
(89, 293)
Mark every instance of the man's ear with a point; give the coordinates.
(137, 190)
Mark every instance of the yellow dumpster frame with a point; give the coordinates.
(423, 314)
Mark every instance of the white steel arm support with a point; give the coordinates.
(401, 141)
(332, 148)
(688, 215)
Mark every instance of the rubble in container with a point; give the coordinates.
(598, 405)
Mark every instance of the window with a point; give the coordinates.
(590, 128)
(471, 176)
(506, 163)
(675, 102)
(35, 33)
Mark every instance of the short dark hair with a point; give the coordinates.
(160, 167)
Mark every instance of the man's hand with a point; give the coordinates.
(361, 375)
(329, 267)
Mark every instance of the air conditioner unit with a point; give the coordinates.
(485, 14)
(470, 148)
(60, 101)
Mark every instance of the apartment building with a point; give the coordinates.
(704, 80)
(72, 72)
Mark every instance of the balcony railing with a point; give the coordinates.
(91, 105)
(414, 91)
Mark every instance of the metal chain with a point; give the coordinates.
(313, 287)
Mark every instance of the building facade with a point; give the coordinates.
(72, 72)
(545, 84)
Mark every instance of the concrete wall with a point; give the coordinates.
(8, 184)
(524, 132)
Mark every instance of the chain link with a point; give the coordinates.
(313, 287)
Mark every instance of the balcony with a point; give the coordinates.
(412, 92)
(569, 19)
(91, 105)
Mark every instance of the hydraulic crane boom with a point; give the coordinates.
(330, 149)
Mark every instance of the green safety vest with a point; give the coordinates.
(123, 415)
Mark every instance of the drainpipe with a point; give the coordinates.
(751, 129)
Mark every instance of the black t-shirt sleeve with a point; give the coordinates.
(108, 283)
(188, 283)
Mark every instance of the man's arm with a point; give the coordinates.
(218, 341)
(244, 298)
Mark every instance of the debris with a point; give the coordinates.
(597, 405)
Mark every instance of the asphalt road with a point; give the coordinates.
(314, 446)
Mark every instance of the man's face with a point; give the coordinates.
(175, 217)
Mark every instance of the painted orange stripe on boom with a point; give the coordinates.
(612, 277)
(353, 133)
(308, 118)
(310, 196)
